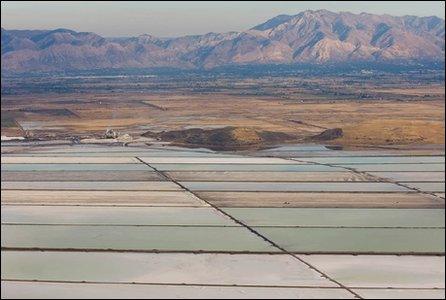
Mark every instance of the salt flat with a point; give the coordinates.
(307, 222)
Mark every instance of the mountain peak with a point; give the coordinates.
(273, 22)
(313, 36)
(63, 30)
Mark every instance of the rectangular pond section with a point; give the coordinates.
(100, 198)
(295, 186)
(136, 216)
(319, 199)
(246, 167)
(91, 185)
(339, 217)
(376, 160)
(159, 238)
(411, 176)
(217, 160)
(396, 167)
(147, 175)
(269, 176)
(383, 271)
(358, 240)
(26, 290)
(162, 268)
(68, 160)
(75, 167)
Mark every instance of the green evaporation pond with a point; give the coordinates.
(335, 217)
(133, 238)
(357, 240)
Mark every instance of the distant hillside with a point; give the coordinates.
(308, 37)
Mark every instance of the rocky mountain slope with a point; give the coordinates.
(308, 37)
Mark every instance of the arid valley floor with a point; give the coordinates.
(388, 111)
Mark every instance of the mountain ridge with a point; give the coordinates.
(308, 37)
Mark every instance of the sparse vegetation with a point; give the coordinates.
(406, 108)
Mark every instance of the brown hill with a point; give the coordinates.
(227, 138)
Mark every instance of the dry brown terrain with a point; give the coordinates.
(375, 111)
(365, 122)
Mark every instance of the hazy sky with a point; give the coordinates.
(182, 18)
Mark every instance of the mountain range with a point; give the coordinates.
(309, 37)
